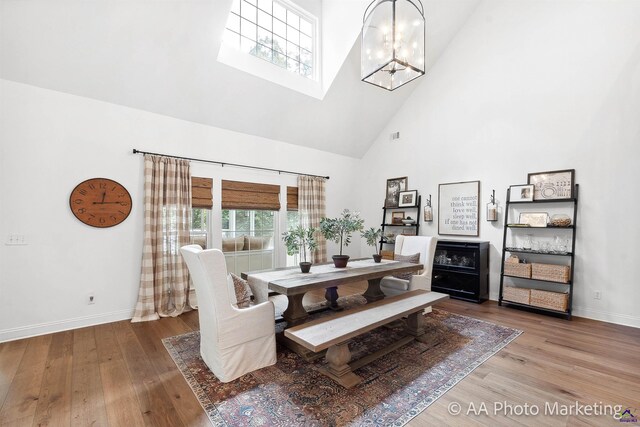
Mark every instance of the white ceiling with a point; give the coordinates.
(160, 56)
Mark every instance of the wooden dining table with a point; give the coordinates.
(294, 284)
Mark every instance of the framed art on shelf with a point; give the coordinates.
(407, 198)
(521, 193)
(553, 184)
(534, 219)
(397, 217)
(394, 187)
(459, 208)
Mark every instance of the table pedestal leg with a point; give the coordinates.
(331, 295)
(295, 312)
(415, 324)
(373, 292)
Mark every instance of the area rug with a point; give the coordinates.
(396, 387)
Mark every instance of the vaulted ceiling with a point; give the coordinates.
(161, 57)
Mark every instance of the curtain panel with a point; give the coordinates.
(164, 279)
(312, 208)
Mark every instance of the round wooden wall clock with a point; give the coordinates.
(100, 202)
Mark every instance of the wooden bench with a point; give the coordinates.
(335, 332)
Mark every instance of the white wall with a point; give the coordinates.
(50, 142)
(532, 86)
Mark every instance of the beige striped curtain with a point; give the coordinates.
(312, 208)
(164, 279)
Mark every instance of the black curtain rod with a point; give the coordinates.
(228, 164)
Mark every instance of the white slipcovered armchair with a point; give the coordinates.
(409, 245)
(233, 341)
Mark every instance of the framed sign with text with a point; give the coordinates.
(459, 208)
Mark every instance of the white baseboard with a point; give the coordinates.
(63, 325)
(620, 319)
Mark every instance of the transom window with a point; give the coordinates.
(274, 31)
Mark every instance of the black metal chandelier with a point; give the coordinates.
(393, 41)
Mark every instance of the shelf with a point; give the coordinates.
(538, 280)
(529, 251)
(535, 307)
(399, 225)
(573, 199)
(404, 207)
(568, 227)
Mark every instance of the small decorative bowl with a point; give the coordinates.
(408, 221)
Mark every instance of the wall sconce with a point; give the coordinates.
(428, 212)
(492, 208)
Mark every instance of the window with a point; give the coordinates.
(200, 227)
(273, 30)
(248, 239)
(293, 220)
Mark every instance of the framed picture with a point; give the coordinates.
(394, 187)
(552, 184)
(534, 219)
(407, 198)
(397, 217)
(459, 208)
(521, 193)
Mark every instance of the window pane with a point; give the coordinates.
(248, 29)
(305, 42)
(293, 35)
(249, 11)
(233, 23)
(235, 7)
(279, 59)
(306, 58)
(279, 12)
(264, 52)
(264, 20)
(264, 37)
(306, 71)
(279, 44)
(293, 20)
(293, 51)
(247, 46)
(265, 5)
(306, 27)
(279, 28)
(293, 65)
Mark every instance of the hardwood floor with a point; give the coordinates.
(120, 374)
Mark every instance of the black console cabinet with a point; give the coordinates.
(461, 269)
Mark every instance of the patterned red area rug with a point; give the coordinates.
(396, 387)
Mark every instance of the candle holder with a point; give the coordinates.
(428, 211)
(492, 208)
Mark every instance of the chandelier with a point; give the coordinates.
(393, 39)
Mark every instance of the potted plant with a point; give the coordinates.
(339, 230)
(298, 240)
(373, 238)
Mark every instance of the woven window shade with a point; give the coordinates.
(292, 198)
(248, 195)
(201, 196)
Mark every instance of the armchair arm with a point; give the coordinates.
(247, 324)
(420, 281)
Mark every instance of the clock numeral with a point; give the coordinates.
(78, 201)
(113, 218)
(102, 220)
(122, 213)
(103, 186)
(92, 215)
(83, 192)
(114, 188)
(124, 204)
(91, 186)
(82, 210)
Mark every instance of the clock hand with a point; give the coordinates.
(104, 193)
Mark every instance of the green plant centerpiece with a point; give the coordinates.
(339, 230)
(373, 238)
(299, 240)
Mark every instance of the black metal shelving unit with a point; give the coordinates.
(570, 254)
(386, 224)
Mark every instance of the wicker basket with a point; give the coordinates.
(550, 272)
(513, 267)
(521, 295)
(552, 300)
